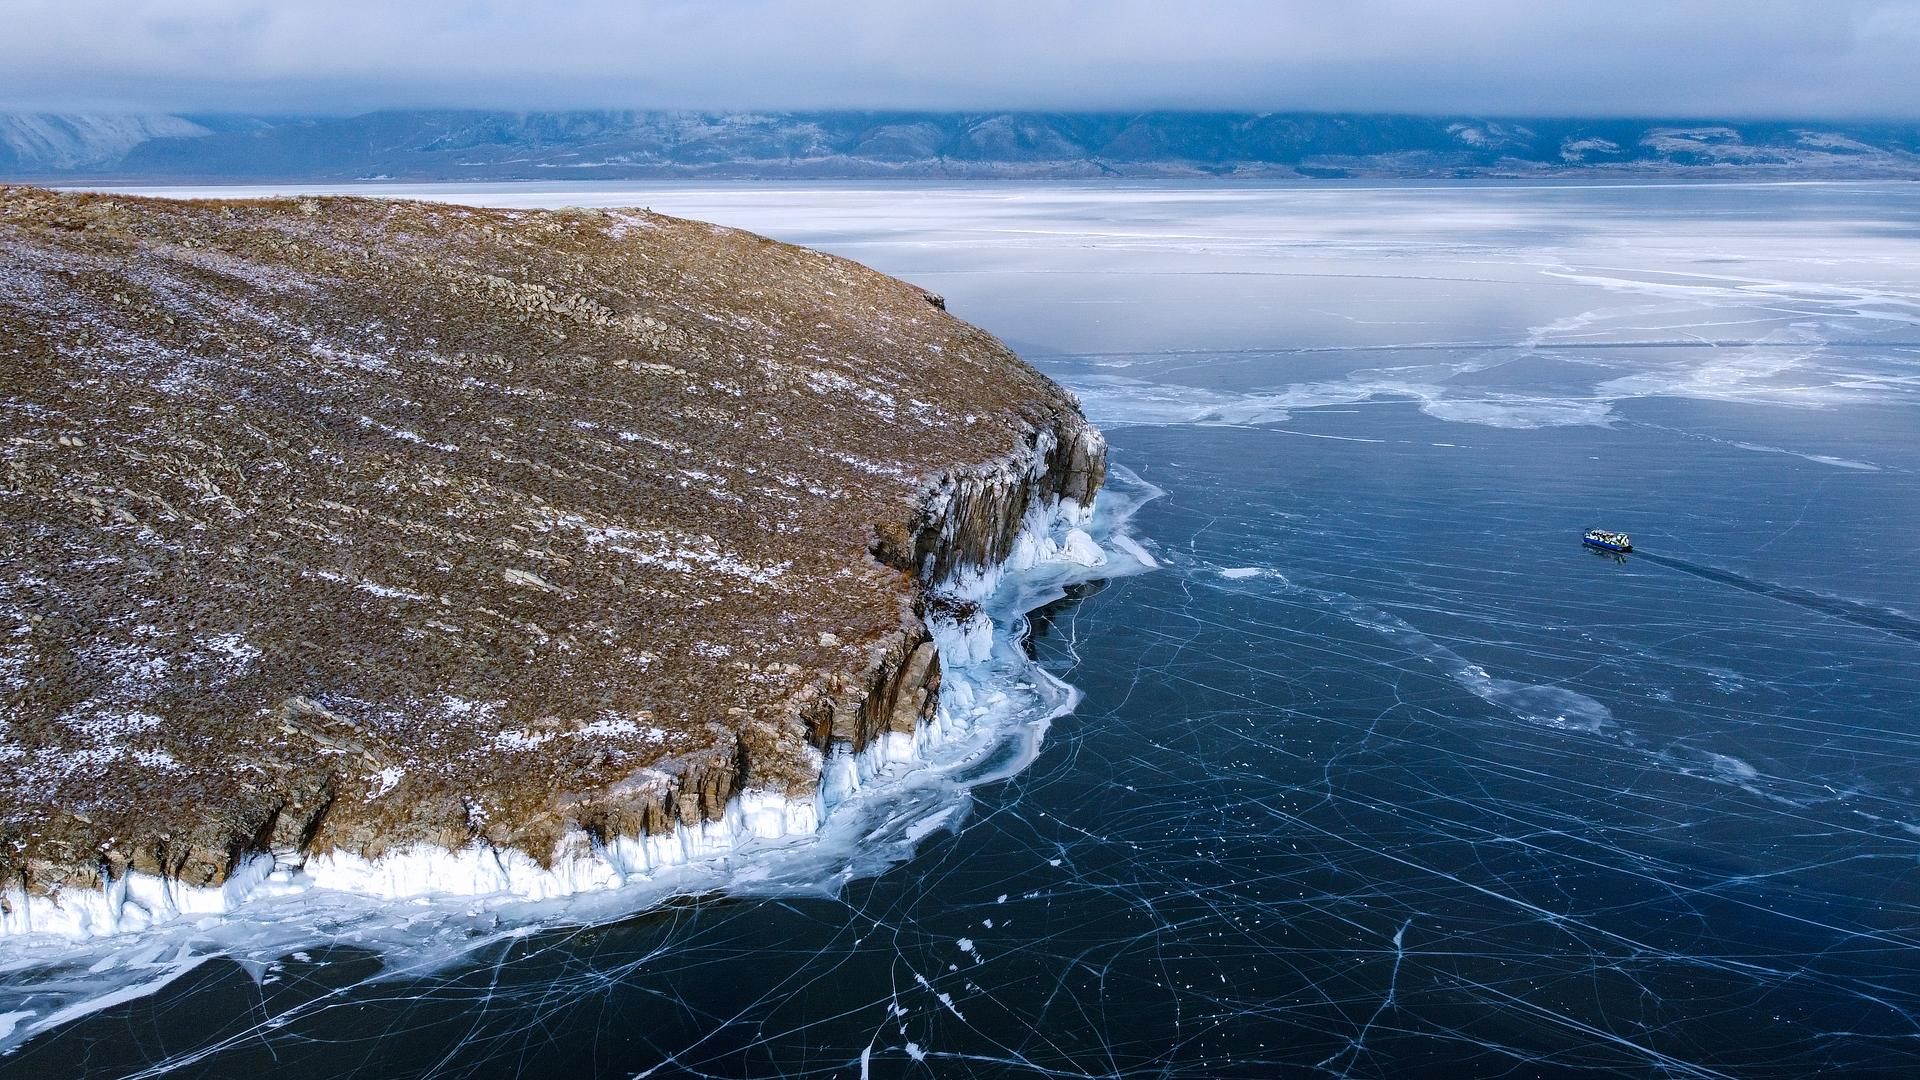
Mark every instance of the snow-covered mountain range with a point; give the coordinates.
(438, 145)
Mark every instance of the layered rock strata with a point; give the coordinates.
(336, 529)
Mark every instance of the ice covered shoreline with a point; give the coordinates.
(871, 807)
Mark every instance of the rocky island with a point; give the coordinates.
(387, 542)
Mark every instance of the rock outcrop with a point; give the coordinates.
(335, 528)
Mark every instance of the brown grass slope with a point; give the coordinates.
(353, 523)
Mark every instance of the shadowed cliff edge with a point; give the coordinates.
(340, 527)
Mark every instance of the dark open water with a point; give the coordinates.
(1383, 774)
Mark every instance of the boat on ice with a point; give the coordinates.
(1607, 541)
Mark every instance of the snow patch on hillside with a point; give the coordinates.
(42, 140)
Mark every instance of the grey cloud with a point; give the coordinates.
(1683, 57)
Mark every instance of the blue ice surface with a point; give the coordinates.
(1382, 774)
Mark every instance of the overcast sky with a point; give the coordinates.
(1788, 58)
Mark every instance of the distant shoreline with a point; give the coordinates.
(476, 146)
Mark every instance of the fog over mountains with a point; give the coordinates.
(606, 145)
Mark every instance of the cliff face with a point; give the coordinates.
(335, 527)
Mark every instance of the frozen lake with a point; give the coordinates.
(1382, 774)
